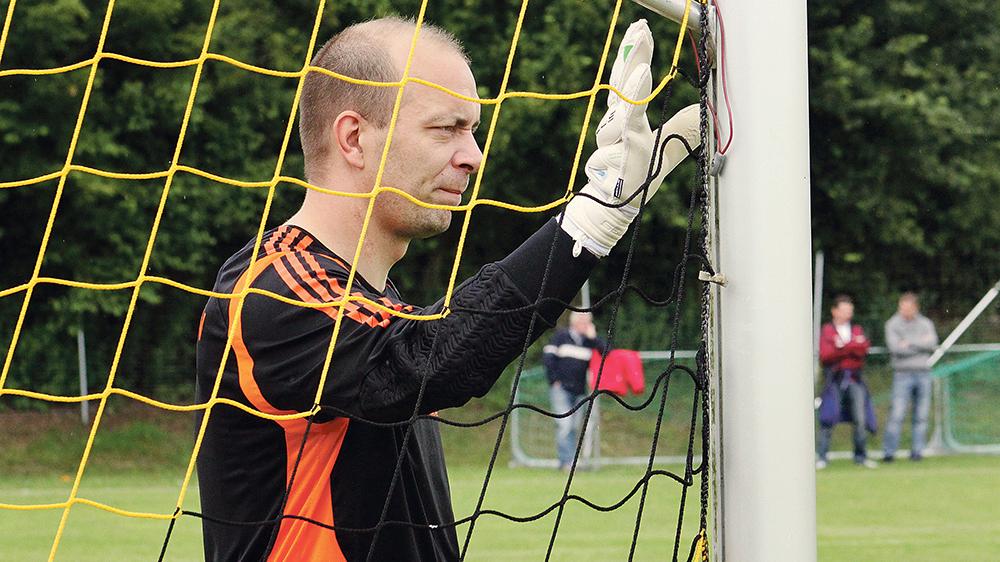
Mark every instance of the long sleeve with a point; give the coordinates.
(550, 359)
(859, 344)
(931, 343)
(378, 366)
(463, 354)
(597, 343)
(894, 340)
(829, 353)
(920, 337)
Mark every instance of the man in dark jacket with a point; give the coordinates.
(314, 326)
(566, 359)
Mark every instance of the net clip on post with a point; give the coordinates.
(718, 163)
(717, 278)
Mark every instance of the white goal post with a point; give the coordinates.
(765, 503)
(762, 403)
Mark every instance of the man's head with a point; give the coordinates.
(842, 309)
(344, 126)
(909, 305)
(581, 322)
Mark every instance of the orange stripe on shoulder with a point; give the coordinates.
(305, 242)
(244, 362)
(313, 276)
(298, 286)
(273, 242)
(300, 278)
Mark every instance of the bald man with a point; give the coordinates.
(360, 479)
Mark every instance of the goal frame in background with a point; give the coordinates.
(590, 455)
(942, 427)
(943, 440)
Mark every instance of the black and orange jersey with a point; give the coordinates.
(301, 490)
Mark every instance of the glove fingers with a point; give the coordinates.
(636, 48)
(686, 124)
(638, 87)
(627, 115)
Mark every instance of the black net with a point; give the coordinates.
(677, 394)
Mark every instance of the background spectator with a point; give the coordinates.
(911, 338)
(843, 348)
(566, 359)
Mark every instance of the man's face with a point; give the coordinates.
(908, 308)
(433, 151)
(842, 313)
(580, 323)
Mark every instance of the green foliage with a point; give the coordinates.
(52, 443)
(903, 105)
(903, 110)
(236, 129)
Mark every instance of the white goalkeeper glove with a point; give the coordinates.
(620, 165)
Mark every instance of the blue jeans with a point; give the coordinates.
(907, 385)
(852, 398)
(567, 428)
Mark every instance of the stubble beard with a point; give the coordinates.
(410, 220)
(423, 222)
(428, 222)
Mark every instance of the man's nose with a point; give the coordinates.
(468, 156)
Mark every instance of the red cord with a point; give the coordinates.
(725, 83)
(711, 108)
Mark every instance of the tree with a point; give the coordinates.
(903, 117)
(132, 124)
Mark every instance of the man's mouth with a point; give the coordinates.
(454, 194)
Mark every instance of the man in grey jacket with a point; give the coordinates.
(911, 339)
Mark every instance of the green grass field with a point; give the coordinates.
(940, 509)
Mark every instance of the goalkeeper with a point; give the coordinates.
(330, 489)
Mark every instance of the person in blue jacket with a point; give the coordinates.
(566, 359)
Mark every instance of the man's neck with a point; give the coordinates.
(338, 227)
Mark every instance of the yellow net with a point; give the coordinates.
(168, 176)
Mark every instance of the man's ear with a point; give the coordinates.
(347, 137)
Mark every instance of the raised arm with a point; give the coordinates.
(463, 354)
(379, 368)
